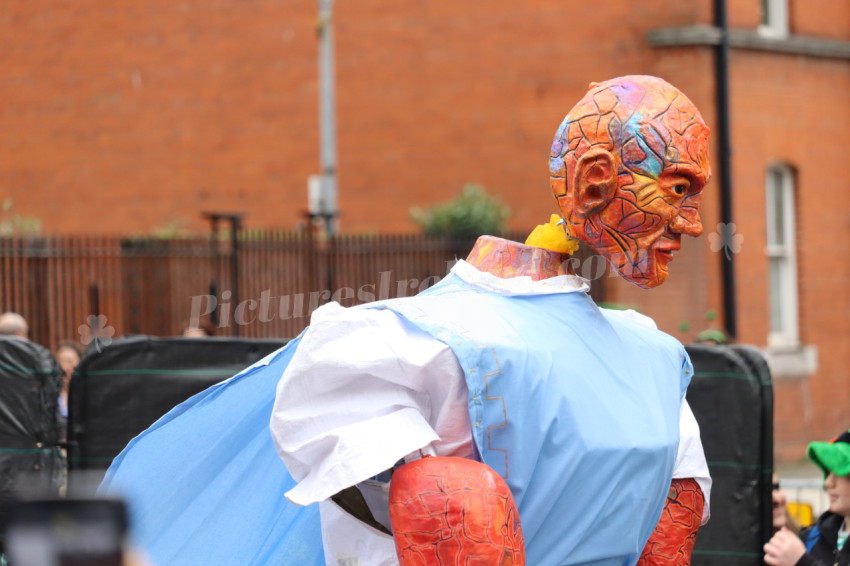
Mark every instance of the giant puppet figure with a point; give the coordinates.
(520, 422)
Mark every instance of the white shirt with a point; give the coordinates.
(366, 388)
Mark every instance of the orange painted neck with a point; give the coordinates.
(506, 259)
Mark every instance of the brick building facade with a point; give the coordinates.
(135, 117)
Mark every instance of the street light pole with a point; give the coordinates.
(327, 114)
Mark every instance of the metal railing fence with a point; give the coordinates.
(65, 285)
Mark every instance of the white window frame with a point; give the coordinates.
(774, 18)
(784, 332)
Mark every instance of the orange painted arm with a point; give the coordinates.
(454, 512)
(672, 542)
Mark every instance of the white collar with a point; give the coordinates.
(522, 285)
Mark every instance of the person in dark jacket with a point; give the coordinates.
(825, 542)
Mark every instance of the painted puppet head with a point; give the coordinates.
(627, 168)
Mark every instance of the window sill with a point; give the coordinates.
(748, 39)
(772, 32)
(790, 362)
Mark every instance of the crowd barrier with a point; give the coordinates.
(121, 389)
(31, 462)
(731, 396)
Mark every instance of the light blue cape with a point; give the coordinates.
(205, 484)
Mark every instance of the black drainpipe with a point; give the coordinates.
(721, 66)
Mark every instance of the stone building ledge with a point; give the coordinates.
(801, 361)
(748, 39)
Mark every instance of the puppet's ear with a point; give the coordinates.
(595, 181)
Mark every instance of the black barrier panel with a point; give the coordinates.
(119, 392)
(30, 462)
(731, 397)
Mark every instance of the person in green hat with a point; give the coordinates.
(825, 542)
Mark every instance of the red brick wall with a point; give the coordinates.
(794, 110)
(820, 18)
(149, 113)
(135, 116)
(457, 94)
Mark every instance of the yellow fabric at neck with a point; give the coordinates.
(553, 237)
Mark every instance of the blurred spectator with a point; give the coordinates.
(68, 356)
(135, 558)
(712, 336)
(825, 542)
(195, 332)
(781, 516)
(13, 324)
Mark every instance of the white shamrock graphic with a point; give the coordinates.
(724, 238)
(96, 330)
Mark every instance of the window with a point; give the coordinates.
(774, 18)
(781, 257)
